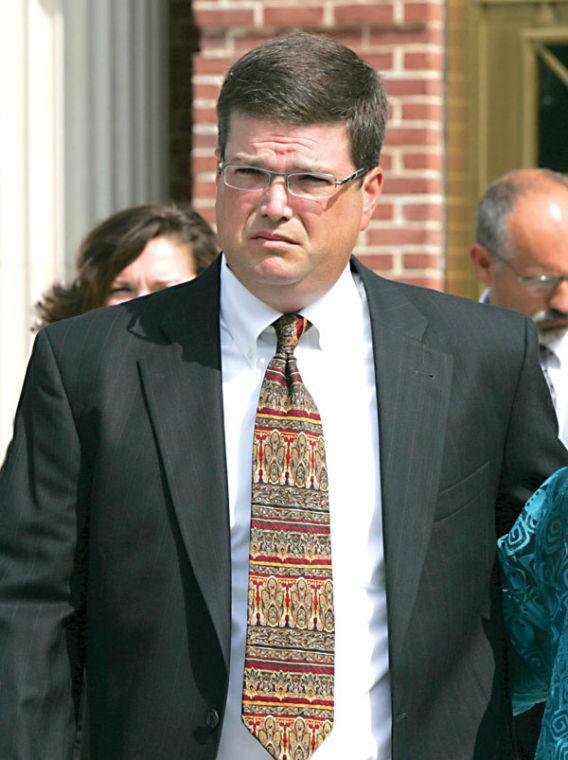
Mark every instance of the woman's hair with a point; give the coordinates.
(116, 242)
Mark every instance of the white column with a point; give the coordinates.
(116, 106)
(83, 133)
(31, 219)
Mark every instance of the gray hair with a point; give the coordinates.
(498, 202)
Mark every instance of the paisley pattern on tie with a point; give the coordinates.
(289, 661)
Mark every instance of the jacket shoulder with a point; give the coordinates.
(452, 312)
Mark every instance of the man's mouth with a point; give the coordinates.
(550, 319)
(273, 237)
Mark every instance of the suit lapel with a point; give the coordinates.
(184, 391)
(182, 382)
(413, 390)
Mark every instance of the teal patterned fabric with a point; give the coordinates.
(534, 560)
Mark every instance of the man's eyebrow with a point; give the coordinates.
(299, 167)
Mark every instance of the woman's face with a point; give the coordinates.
(163, 262)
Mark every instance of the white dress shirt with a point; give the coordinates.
(554, 362)
(340, 336)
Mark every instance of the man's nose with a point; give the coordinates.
(559, 299)
(276, 201)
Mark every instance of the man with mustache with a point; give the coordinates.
(521, 256)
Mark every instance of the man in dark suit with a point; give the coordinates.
(125, 495)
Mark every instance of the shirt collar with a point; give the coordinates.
(246, 317)
(337, 308)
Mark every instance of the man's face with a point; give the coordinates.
(538, 233)
(288, 251)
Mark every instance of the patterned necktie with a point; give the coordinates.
(289, 662)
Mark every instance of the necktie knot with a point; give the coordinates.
(289, 329)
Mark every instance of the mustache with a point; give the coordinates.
(550, 319)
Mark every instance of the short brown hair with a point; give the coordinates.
(303, 78)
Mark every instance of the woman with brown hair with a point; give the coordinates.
(134, 252)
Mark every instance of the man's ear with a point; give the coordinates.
(484, 263)
(372, 186)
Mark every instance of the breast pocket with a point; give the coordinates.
(457, 496)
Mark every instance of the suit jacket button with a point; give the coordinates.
(212, 718)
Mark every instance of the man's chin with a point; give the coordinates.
(277, 270)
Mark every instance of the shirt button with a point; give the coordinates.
(212, 718)
(250, 355)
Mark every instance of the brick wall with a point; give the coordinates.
(404, 40)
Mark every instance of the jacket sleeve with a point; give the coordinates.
(40, 588)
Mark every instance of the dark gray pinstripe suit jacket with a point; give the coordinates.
(114, 535)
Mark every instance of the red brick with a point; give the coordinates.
(211, 65)
(300, 17)
(401, 87)
(205, 115)
(251, 39)
(206, 91)
(379, 61)
(384, 211)
(204, 141)
(423, 212)
(373, 13)
(214, 42)
(204, 189)
(423, 12)
(424, 61)
(203, 164)
(422, 161)
(422, 112)
(223, 17)
(377, 261)
(415, 186)
(420, 261)
(353, 39)
(412, 136)
(420, 35)
(208, 213)
(386, 159)
(398, 236)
